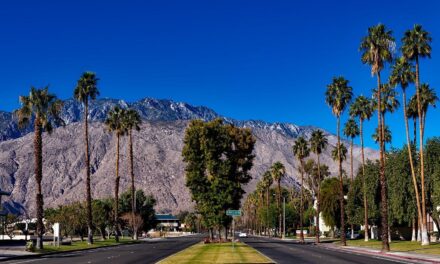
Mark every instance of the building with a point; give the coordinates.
(167, 222)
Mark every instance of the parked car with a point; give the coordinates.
(242, 234)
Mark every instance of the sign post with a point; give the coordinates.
(233, 213)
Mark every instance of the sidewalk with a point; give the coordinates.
(12, 253)
(400, 256)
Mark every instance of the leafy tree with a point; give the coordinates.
(318, 143)
(416, 45)
(85, 90)
(43, 107)
(338, 97)
(144, 208)
(102, 215)
(377, 48)
(218, 159)
(132, 121)
(115, 123)
(301, 151)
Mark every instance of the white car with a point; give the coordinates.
(242, 235)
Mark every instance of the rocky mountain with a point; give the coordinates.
(159, 168)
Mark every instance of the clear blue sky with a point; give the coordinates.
(268, 60)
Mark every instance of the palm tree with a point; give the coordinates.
(389, 101)
(403, 73)
(338, 96)
(86, 90)
(260, 190)
(416, 45)
(318, 143)
(428, 97)
(278, 171)
(411, 112)
(267, 183)
(362, 109)
(132, 121)
(115, 123)
(301, 151)
(351, 130)
(339, 151)
(376, 50)
(43, 107)
(386, 134)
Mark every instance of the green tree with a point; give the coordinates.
(278, 171)
(301, 151)
(267, 182)
(338, 97)
(86, 90)
(43, 107)
(376, 50)
(132, 121)
(416, 45)
(115, 123)
(144, 207)
(362, 109)
(318, 143)
(218, 159)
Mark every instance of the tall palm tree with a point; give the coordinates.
(351, 130)
(132, 121)
(362, 109)
(338, 95)
(267, 183)
(115, 123)
(301, 151)
(86, 90)
(416, 45)
(43, 107)
(377, 49)
(386, 134)
(278, 172)
(318, 143)
(261, 188)
(403, 74)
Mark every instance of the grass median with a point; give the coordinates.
(80, 245)
(401, 246)
(217, 253)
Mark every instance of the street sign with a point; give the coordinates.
(233, 212)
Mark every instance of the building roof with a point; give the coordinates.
(165, 217)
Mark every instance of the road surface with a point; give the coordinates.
(145, 252)
(292, 252)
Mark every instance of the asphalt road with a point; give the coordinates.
(145, 252)
(292, 252)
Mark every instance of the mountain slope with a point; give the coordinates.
(158, 164)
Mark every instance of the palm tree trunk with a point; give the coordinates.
(351, 186)
(301, 213)
(267, 212)
(89, 192)
(117, 191)
(341, 186)
(425, 238)
(38, 152)
(318, 201)
(383, 187)
(133, 190)
(279, 207)
(414, 232)
(364, 185)
(410, 155)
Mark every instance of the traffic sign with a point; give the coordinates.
(233, 212)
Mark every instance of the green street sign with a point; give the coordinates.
(233, 212)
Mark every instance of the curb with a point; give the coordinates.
(377, 253)
(39, 255)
